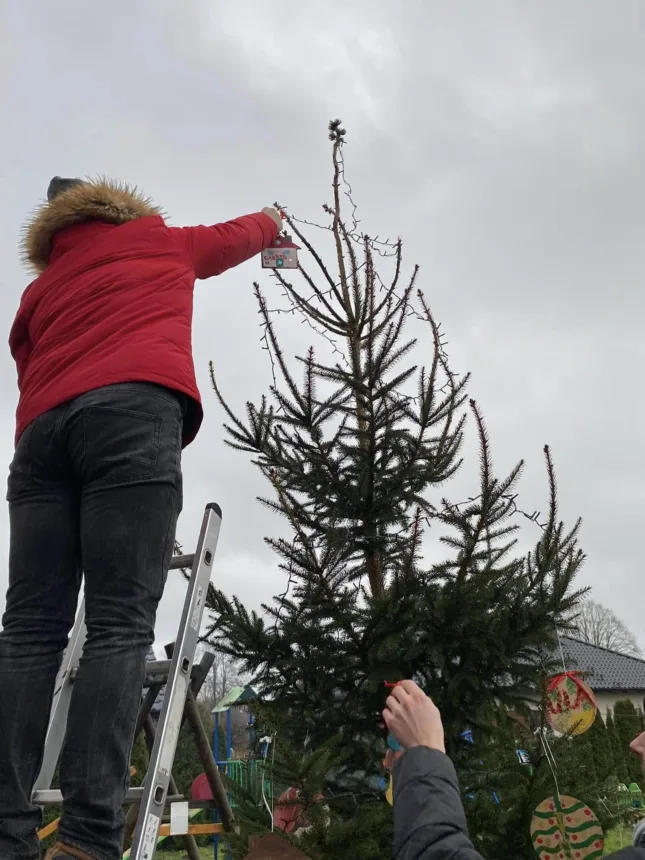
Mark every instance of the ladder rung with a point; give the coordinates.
(156, 671)
(180, 561)
(155, 668)
(43, 798)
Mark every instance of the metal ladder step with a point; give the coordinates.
(179, 562)
(47, 797)
(157, 672)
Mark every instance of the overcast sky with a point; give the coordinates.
(503, 141)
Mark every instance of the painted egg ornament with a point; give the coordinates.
(570, 704)
(564, 828)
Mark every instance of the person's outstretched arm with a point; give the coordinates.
(429, 818)
(213, 250)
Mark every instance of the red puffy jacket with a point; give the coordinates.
(113, 300)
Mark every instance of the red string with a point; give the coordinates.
(553, 683)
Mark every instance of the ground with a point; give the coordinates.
(207, 854)
(619, 838)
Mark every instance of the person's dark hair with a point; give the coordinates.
(60, 184)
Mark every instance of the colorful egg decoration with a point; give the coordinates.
(570, 704)
(389, 794)
(564, 828)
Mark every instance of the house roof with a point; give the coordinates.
(273, 846)
(603, 669)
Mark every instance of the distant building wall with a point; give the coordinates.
(607, 700)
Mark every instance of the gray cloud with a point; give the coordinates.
(503, 141)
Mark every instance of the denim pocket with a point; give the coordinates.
(120, 445)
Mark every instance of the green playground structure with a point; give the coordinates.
(251, 776)
(629, 796)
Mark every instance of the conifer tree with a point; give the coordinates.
(619, 752)
(326, 825)
(139, 760)
(602, 750)
(357, 454)
(627, 724)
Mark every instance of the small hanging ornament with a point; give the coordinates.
(282, 254)
(570, 704)
(523, 757)
(389, 792)
(289, 815)
(393, 744)
(564, 828)
(394, 751)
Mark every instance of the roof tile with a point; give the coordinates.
(604, 669)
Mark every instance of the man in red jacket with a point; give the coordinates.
(108, 399)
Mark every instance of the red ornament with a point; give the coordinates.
(289, 815)
(570, 704)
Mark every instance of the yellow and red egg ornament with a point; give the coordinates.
(570, 704)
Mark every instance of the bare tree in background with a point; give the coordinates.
(224, 675)
(598, 625)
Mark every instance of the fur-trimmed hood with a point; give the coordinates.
(91, 200)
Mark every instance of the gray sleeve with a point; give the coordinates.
(639, 834)
(429, 818)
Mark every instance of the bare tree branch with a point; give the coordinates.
(598, 625)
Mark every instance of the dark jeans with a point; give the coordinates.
(94, 493)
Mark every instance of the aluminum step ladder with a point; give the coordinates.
(152, 798)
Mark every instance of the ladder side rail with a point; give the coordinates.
(165, 743)
(61, 701)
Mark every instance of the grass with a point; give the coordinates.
(620, 837)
